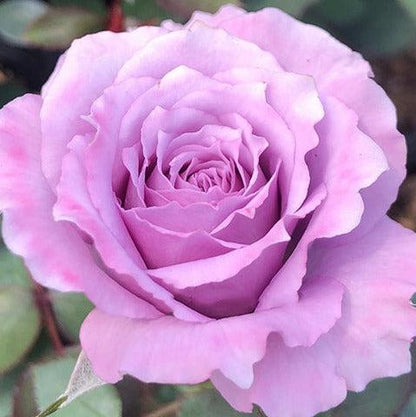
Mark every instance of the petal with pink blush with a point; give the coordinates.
(54, 252)
(152, 242)
(183, 48)
(378, 120)
(296, 99)
(249, 100)
(345, 166)
(224, 13)
(290, 382)
(373, 337)
(74, 87)
(127, 268)
(297, 47)
(168, 350)
(254, 219)
(52, 259)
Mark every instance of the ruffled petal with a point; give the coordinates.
(297, 47)
(378, 322)
(127, 270)
(183, 47)
(49, 248)
(290, 382)
(344, 166)
(74, 86)
(168, 350)
(224, 13)
(54, 252)
(296, 99)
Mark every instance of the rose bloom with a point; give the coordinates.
(219, 190)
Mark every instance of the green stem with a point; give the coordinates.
(53, 407)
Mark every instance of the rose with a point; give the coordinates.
(219, 191)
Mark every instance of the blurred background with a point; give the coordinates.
(39, 329)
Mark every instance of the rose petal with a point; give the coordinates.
(183, 48)
(77, 208)
(373, 337)
(168, 350)
(345, 167)
(224, 13)
(249, 100)
(53, 251)
(152, 241)
(74, 86)
(296, 46)
(289, 382)
(228, 284)
(24, 188)
(296, 99)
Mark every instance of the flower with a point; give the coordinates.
(219, 191)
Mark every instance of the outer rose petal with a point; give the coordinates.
(297, 47)
(345, 165)
(168, 350)
(74, 86)
(289, 382)
(377, 119)
(371, 340)
(55, 254)
(183, 48)
(378, 323)
(26, 200)
(338, 72)
(224, 13)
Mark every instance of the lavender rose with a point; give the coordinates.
(219, 191)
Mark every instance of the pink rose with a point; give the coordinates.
(219, 191)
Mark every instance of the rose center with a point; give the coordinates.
(206, 174)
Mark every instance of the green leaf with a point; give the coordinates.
(97, 6)
(382, 27)
(9, 90)
(59, 26)
(293, 7)
(387, 29)
(20, 324)
(7, 383)
(17, 15)
(382, 398)
(410, 6)
(12, 270)
(184, 8)
(46, 381)
(70, 311)
(143, 10)
(409, 410)
(208, 403)
(342, 12)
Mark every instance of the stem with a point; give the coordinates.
(53, 407)
(48, 318)
(115, 17)
(167, 410)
